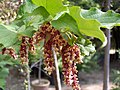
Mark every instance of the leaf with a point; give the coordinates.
(86, 46)
(66, 21)
(26, 31)
(2, 83)
(3, 63)
(27, 7)
(41, 11)
(21, 29)
(34, 20)
(4, 73)
(8, 36)
(30, 25)
(6, 60)
(87, 27)
(107, 19)
(52, 6)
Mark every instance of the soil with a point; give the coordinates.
(88, 81)
(92, 81)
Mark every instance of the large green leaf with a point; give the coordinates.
(8, 35)
(107, 19)
(87, 27)
(52, 6)
(66, 21)
(41, 11)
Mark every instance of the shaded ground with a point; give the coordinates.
(88, 81)
(92, 81)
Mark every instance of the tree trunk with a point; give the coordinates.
(107, 49)
(107, 63)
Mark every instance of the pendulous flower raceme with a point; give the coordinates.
(24, 50)
(70, 57)
(52, 38)
(10, 51)
(70, 54)
(48, 57)
(27, 45)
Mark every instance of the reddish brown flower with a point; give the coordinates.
(24, 49)
(70, 57)
(10, 51)
(32, 48)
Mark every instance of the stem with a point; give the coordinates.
(40, 63)
(56, 72)
(28, 87)
(28, 77)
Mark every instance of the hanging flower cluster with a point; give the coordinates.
(52, 38)
(70, 57)
(10, 51)
(27, 45)
(48, 57)
(24, 49)
(70, 54)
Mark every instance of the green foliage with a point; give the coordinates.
(41, 11)
(8, 36)
(67, 23)
(31, 16)
(116, 79)
(116, 89)
(29, 20)
(53, 6)
(27, 7)
(107, 19)
(5, 63)
(90, 64)
(93, 27)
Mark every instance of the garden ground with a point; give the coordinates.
(90, 81)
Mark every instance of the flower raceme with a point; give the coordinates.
(10, 51)
(52, 38)
(70, 55)
(24, 50)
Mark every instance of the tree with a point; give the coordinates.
(61, 27)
